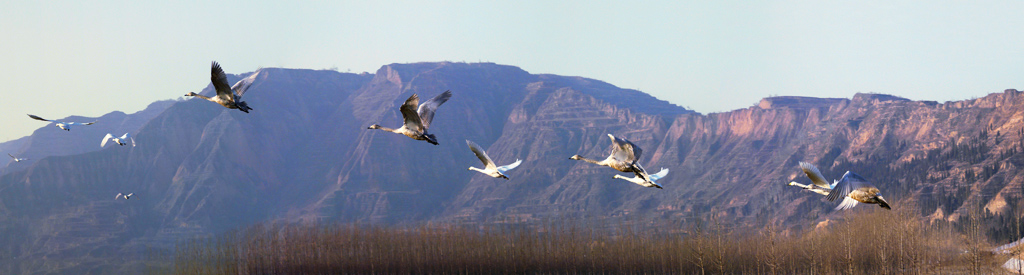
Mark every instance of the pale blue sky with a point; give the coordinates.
(62, 58)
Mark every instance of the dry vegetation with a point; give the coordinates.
(866, 242)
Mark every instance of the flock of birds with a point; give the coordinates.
(624, 155)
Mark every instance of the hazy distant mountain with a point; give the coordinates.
(304, 154)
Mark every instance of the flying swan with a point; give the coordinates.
(228, 96)
(66, 126)
(417, 119)
(120, 140)
(489, 168)
(651, 183)
(624, 157)
(16, 159)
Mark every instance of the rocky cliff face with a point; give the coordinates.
(304, 155)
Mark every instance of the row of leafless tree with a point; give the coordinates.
(871, 241)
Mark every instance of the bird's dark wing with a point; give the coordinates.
(412, 119)
(640, 171)
(220, 82)
(37, 118)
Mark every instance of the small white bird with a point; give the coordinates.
(120, 140)
(17, 159)
(489, 168)
(646, 183)
(120, 195)
(66, 126)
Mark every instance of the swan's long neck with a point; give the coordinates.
(633, 180)
(203, 97)
(387, 129)
(477, 169)
(591, 161)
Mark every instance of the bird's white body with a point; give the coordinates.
(646, 183)
(490, 168)
(66, 126)
(122, 140)
(120, 195)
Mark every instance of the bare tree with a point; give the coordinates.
(721, 233)
(698, 244)
(769, 251)
(974, 234)
(1017, 250)
(847, 238)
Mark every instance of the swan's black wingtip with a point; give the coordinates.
(431, 139)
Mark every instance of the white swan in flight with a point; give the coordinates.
(489, 168)
(119, 195)
(120, 140)
(624, 157)
(651, 183)
(228, 96)
(417, 119)
(66, 126)
(16, 159)
(852, 188)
